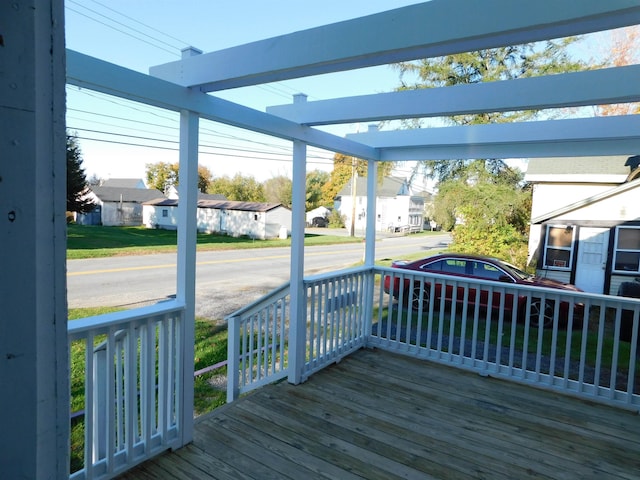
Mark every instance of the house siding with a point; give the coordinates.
(123, 214)
(546, 195)
(232, 222)
(153, 217)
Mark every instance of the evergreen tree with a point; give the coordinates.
(77, 189)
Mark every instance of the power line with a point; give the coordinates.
(158, 147)
(174, 120)
(121, 31)
(139, 22)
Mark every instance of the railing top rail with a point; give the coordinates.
(593, 297)
(82, 325)
(335, 274)
(259, 303)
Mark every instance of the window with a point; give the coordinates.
(558, 252)
(449, 265)
(165, 212)
(627, 250)
(488, 271)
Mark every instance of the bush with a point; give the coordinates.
(336, 220)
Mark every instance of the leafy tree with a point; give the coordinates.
(163, 175)
(343, 167)
(504, 63)
(623, 48)
(489, 215)
(315, 181)
(77, 188)
(240, 188)
(278, 190)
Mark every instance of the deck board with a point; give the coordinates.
(377, 415)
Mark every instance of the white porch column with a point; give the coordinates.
(187, 235)
(370, 243)
(34, 363)
(297, 326)
(372, 185)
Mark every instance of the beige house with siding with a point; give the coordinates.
(585, 220)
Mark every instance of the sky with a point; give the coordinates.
(118, 138)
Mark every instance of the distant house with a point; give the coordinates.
(397, 208)
(585, 220)
(118, 206)
(252, 219)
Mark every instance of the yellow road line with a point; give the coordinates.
(208, 262)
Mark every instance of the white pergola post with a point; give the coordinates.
(297, 325)
(372, 194)
(34, 363)
(370, 243)
(186, 277)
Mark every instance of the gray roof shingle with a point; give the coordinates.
(131, 195)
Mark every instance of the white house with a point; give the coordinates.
(397, 208)
(118, 206)
(253, 219)
(585, 220)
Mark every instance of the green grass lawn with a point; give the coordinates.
(85, 241)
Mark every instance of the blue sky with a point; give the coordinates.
(119, 138)
(138, 34)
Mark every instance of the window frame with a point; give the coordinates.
(547, 246)
(616, 250)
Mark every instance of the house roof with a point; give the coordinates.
(390, 187)
(612, 169)
(124, 183)
(131, 195)
(219, 204)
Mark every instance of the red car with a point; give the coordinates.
(463, 267)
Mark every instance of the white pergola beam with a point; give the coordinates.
(551, 138)
(92, 73)
(430, 29)
(596, 87)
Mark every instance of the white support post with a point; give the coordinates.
(34, 362)
(298, 320)
(370, 243)
(372, 194)
(186, 278)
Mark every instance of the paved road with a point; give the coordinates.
(225, 280)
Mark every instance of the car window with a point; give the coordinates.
(448, 265)
(487, 271)
(437, 266)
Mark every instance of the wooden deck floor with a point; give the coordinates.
(377, 415)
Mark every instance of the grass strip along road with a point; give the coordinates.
(96, 241)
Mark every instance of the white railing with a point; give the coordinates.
(125, 386)
(582, 344)
(257, 352)
(578, 343)
(338, 314)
